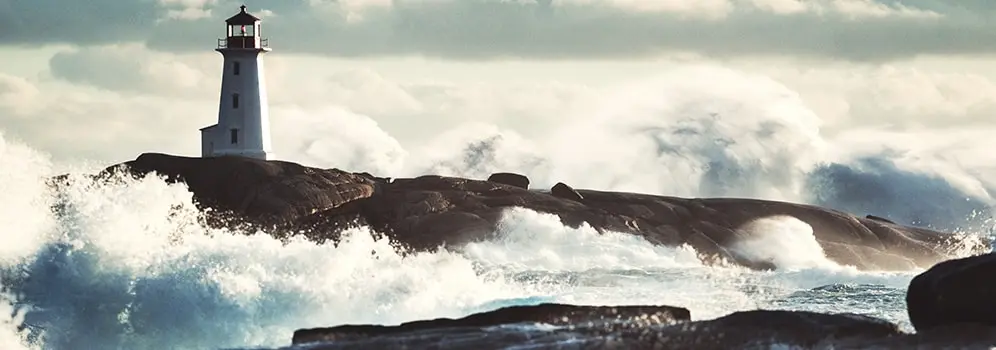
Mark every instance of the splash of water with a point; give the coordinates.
(706, 131)
(531, 241)
(582, 266)
(129, 266)
(784, 241)
(22, 175)
(695, 132)
(22, 172)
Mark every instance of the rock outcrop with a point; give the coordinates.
(644, 327)
(603, 318)
(425, 212)
(961, 337)
(953, 293)
(758, 329)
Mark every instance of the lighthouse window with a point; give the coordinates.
(235, 136)
(235, 100)
(236, 67)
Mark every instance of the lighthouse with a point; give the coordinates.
(243, 127)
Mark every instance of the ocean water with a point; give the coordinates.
(128, 266)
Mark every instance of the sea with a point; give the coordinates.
(128, 265)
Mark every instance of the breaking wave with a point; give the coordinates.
(786, 242)
(128, 265)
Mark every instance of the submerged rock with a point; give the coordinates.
(954, 292)
(426, 212)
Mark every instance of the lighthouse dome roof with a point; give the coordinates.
(242, 18)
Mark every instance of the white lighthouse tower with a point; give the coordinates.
(243, 127)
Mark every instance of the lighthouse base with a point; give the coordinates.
(238, 153)
(212, 146)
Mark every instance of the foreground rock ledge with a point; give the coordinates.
(643, 327)
(954, 292)
(598, 318)
(425, 212)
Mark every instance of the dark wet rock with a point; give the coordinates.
(426, 212)
(758, 329)
(879, 218)
(496, 337)
(562, 190)
(954, 292)
(273, 192)
(511, 179)
(550, 314)
(951, 337)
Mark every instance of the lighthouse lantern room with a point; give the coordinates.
(243, 32)
(243, 127)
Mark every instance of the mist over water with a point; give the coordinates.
(129, 265)
(704, 131)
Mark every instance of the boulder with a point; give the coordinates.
(954, 292)
(562, 190)
(511, 179)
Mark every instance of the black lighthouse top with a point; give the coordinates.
(243, 32)
(242, 18)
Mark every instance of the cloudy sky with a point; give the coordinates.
(105, 80)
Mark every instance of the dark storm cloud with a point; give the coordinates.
(34, 22)
(530, 29)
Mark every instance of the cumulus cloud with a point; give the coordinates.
(335, 137)
(188, 9)
(413, 111)
(132, 69)
(75, 124)
(896, 96)
(17, 94)
(545, 29)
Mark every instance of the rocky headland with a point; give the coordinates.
(951, 305)
(426, 212)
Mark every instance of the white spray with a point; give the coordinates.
(785, 241)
